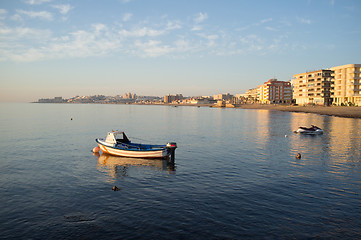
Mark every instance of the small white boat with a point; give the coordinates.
(117, 144)
(313, 130)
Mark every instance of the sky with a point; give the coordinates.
(51, 48)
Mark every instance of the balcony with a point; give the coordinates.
(327, 81)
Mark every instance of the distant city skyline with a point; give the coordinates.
(54, 48)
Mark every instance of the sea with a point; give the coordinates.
(235, 174)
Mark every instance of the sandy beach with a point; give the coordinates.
(349, 112)
(338, 111)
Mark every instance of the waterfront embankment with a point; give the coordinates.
(338, 111)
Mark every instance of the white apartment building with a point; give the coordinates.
(347, 84)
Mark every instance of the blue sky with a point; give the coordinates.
(54, 48)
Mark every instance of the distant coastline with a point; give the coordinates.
(337, 111)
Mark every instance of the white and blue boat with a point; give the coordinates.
(117, 144)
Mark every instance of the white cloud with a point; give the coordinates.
(32, 14)
(252, 43)
(196, 28)
(28, 56)
(141, 32)
(19, 33)
(63, 9)
(265, 20)
(200, 17)
(255, 24)
(127, 17)
(153, 48)
(211, 39)
(3, 13)
(171, 25)
(16, 17)
(143, 40)
(182, 45)
(36, 2)
(304, 20)
(271, 29)
(98, 27)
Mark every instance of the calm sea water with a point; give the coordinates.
(235, 174)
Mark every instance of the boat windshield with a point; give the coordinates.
(122, 138)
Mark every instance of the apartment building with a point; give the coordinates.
(170, 98)
(347, 84)
(314, 87)
(274, 91)
(252, 95)
(225, 97)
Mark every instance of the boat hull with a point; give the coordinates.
(316, 132)
(158, 153)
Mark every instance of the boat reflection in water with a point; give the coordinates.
(118, 167)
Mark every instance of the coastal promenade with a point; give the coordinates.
(349, 112)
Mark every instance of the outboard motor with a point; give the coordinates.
(171, 147)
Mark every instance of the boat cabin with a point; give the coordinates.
(116, 137)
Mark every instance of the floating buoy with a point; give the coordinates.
(71, 118)
(285, 136)
(298, 156)
(115, 188)
(96, 150)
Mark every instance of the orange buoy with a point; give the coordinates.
(96, 150)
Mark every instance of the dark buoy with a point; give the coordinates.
(71, 119)
(115, 188)
(298, 155)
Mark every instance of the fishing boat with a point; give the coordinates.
(313, 130)
(118, 144)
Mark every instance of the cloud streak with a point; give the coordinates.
(201, 17)
(37, 2)
(33, 14)
(304, 20)
(63, 9)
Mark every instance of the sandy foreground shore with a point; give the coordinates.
(349, 112)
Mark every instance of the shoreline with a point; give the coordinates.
(336, 111)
